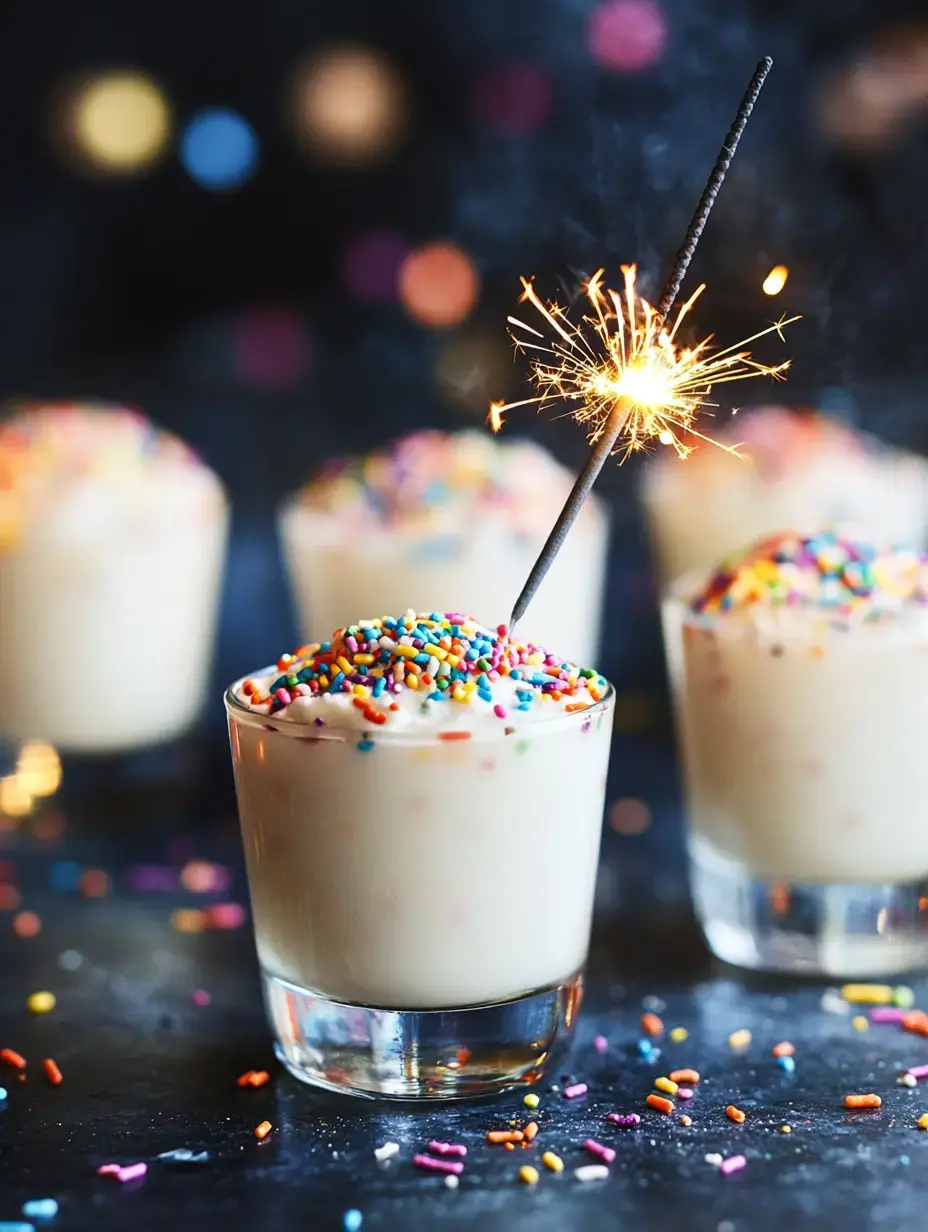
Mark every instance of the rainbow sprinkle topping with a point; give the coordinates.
(445, 657)
(823, 571)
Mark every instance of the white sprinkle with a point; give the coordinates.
(833, 1003)
(387, 643)
(591, 1172)
(387, 1151)
(714, 1161)
(907, 1080)
(451, 1181)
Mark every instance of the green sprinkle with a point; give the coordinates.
(903, 997)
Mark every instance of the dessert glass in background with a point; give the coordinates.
(800, 672)
(422, 841)
(441, 521)
(799, 470)
(112, 542)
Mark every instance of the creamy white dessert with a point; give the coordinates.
(421, 801)
(798, 470)
(451, 521)
(112, 542)
(801, 678)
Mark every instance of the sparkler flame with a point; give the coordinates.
(622, 350)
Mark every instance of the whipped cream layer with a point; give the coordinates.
(432, 482)
(438, 673)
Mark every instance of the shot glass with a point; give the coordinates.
(803, 743)
(422, 904)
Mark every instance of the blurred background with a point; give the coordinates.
(291, 231)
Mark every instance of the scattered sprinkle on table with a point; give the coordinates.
(183, 1155)
(3, 1094)
(907, 1080)
(495, 1136)
(923, 1121)
(784, 1049)
(787, 1064)
(11, 1058)
(863, 1101)
(733, 1164)
(904, 997)
(14, 1225)
(262, 1130)
(686, 1121)
(860, 1023)
(734, 1114)
(52, 1072)
(40, 1208)
(576, 1090)
(685, 1093)
(591, 1172)
(625, 1119)
(739, 1039)
(41, 1002)
(530, 1132)
(600, 1043)
(690, 1076)
(531, 1101)
(253, 1078)
(552, 1162)
(666, 1085)
(713, 1160)
(131, 1172)
(429, 1164)
(451, 1181)
(868, 994)
(887, 1013)
(528, 1175)
(651, 1024)
(665, 1106)
(352, 1220)
(598, 1151)
(678, 1035)
(786, 1129)
(387, 1151)
(448, 1148)
(918, 1071)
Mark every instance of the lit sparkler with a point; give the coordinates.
(622, 352)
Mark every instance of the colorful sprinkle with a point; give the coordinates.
(591, 1172)
(553, 1162)
(652, 1025)
(448, 1148)
(887, 1013)
(352, 1220)
(429, 1164)
(786, 1129)
(787, 1063)
(626, 1120)
(739, 1040)
(666, 1085)
(605, 1153)
(863, 1101)
(907, 1080)
(52, 1072)
(665, 1106)
(600, 1043)
(686, 1121)
(918, 1071)
(575, 1090)
(733, 1164)
(868, 994)
(41, 1002)
(734, 1114)
(783, 1049)
(923, 1121)
(40, 1208)
(11, 1058)
(678, 1035)
(684, 1075)
(531, 1100)
(860, 1023)
(528, 1175)
(262, 1130)
(387, 1151)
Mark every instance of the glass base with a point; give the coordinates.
(420, 1054)
(855, 929)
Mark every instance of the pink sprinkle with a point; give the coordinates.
(352, 644)
(283, 696)
(685, 1093)
(201, 997)
(574, 1092)
(734, 1164)
(626, 1120)
(448, 1148)
(437, 1165)
(887, 1013)
(499, 711)
(600, 1043)
(225, 915)
(130, 1172)
(918, 1071)
(605, 1153)
(108, 1170)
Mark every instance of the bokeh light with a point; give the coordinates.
(513, 99)
(219, 149)
(438, 285)
(629, 816)
(350, 105)
(775, 281)
(118, 123)
(272, 349)
(38, 768)
(370, 265)
(472, 368)
(627, 36)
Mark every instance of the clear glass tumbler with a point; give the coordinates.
(422, 905)
(803, 743)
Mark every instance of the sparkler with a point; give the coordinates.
(622, 370)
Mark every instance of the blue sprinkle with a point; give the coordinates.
(364, 746)
(336, 681)
(3, 1094)
(904, 1160)
(787, 1063)
(13, 1225)
(483, 681)
(379, 686)
(183, 1155)
(352, 1220)
(421, 659)
(41, 1208)
(515, 675)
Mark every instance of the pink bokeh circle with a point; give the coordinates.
(627, 36)
(272, 349)
(513, 99)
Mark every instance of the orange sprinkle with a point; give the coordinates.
(684, 1075)
(652, 1024)
(662, 1105)
(52, 1072)
(530, 1131)
(734, 1114)
(258, 1078)
(784, 1049)
(575, 706)
(262, 1130)
(915, 1021)
(454, 735)
(862, 1101)
(505, 1135)
(9, 1057)
(510, 1146)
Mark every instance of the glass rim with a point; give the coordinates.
(238, 711)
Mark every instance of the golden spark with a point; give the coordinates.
(622, 350)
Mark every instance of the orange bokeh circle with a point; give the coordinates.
(438, 285)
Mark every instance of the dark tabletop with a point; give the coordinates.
(146, 1070)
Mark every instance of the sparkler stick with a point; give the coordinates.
(633, 340)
